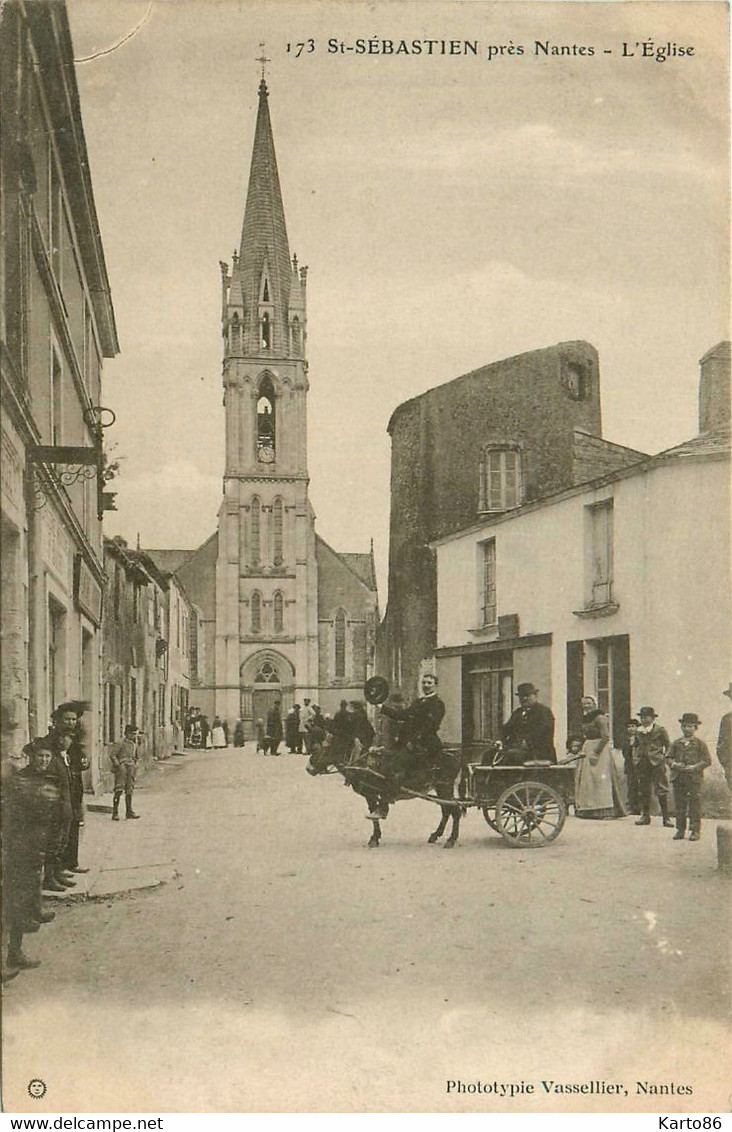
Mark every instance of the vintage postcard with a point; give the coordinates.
(365, 504)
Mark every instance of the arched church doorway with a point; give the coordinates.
(265, 679)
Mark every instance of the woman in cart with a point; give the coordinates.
(597, 787)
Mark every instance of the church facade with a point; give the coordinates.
(285, 616)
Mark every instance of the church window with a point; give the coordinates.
(266, 420)
(500, 478)
(266, 332)
(267, 674)
(340, 644)
(277, 522)
(235, 334)
(296, 337)
(278, 606)
(255, 531)
(256, 608)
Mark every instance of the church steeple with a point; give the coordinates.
(264, 266)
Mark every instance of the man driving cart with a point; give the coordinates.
(528, 735)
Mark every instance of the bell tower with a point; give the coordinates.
(266, 641)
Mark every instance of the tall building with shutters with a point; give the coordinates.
(285, 615)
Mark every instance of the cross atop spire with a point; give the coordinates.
(263, 60)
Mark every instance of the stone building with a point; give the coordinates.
(617, 587)
(481, 445)
(56, 325)
(149, 654)
(284, 616)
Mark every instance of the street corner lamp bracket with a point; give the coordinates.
(98, 416)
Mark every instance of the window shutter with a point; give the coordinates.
(575, 684)
(620, 661)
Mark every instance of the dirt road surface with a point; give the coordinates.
(288, 968)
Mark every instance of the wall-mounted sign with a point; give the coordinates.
(87, 591)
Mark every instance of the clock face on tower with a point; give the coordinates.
(266, 454)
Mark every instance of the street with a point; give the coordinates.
(285, 967)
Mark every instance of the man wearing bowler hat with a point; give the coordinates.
(724, 742)
(528, 736)
(651, 744)
(687, 759)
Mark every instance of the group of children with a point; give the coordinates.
(651, 760)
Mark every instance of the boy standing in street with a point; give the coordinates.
(631, 730)
(651, 745)
(687, 759)
(123, 758)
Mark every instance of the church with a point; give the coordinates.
(283, 615)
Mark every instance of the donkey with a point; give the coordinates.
(366, 772)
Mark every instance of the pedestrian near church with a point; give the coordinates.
(274, 730)
(292, 730)
(123, 758)
(724, 741)
(528, 736)
(306, 718)
(218, 734)
(651, 745)
(597, 790)
(688, 758)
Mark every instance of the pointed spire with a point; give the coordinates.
(264, 234)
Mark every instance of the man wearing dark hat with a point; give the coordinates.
(687, 759)
(651, 744)
(724, 742)
(528, 736)
(59, 740)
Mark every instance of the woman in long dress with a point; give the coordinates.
(597, 789)
(218, 734)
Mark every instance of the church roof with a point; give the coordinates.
(169, 560)
(264, 234)
(362, 565)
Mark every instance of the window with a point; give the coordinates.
(277, 524)
(500, 479)
(255, 531)
(490, 688)
(256, 612)
(266, 420)
(278, 606)
(488, 609)
(56, 654)
(56, 400)
(110, 714)
(296, 339)
(133, 700)
(161, 706)
(55, 215)
(267, 674)
(116, 586)
(266, 332)
(602, 675)
(600, 553)
(340, 645)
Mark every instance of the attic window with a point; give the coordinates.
(576, 381)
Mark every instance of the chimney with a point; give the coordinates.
(714, 388)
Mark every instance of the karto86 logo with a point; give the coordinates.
(37, 1088)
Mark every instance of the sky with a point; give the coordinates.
(453, 210)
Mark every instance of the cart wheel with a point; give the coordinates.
(530, 814)
(490, 817)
